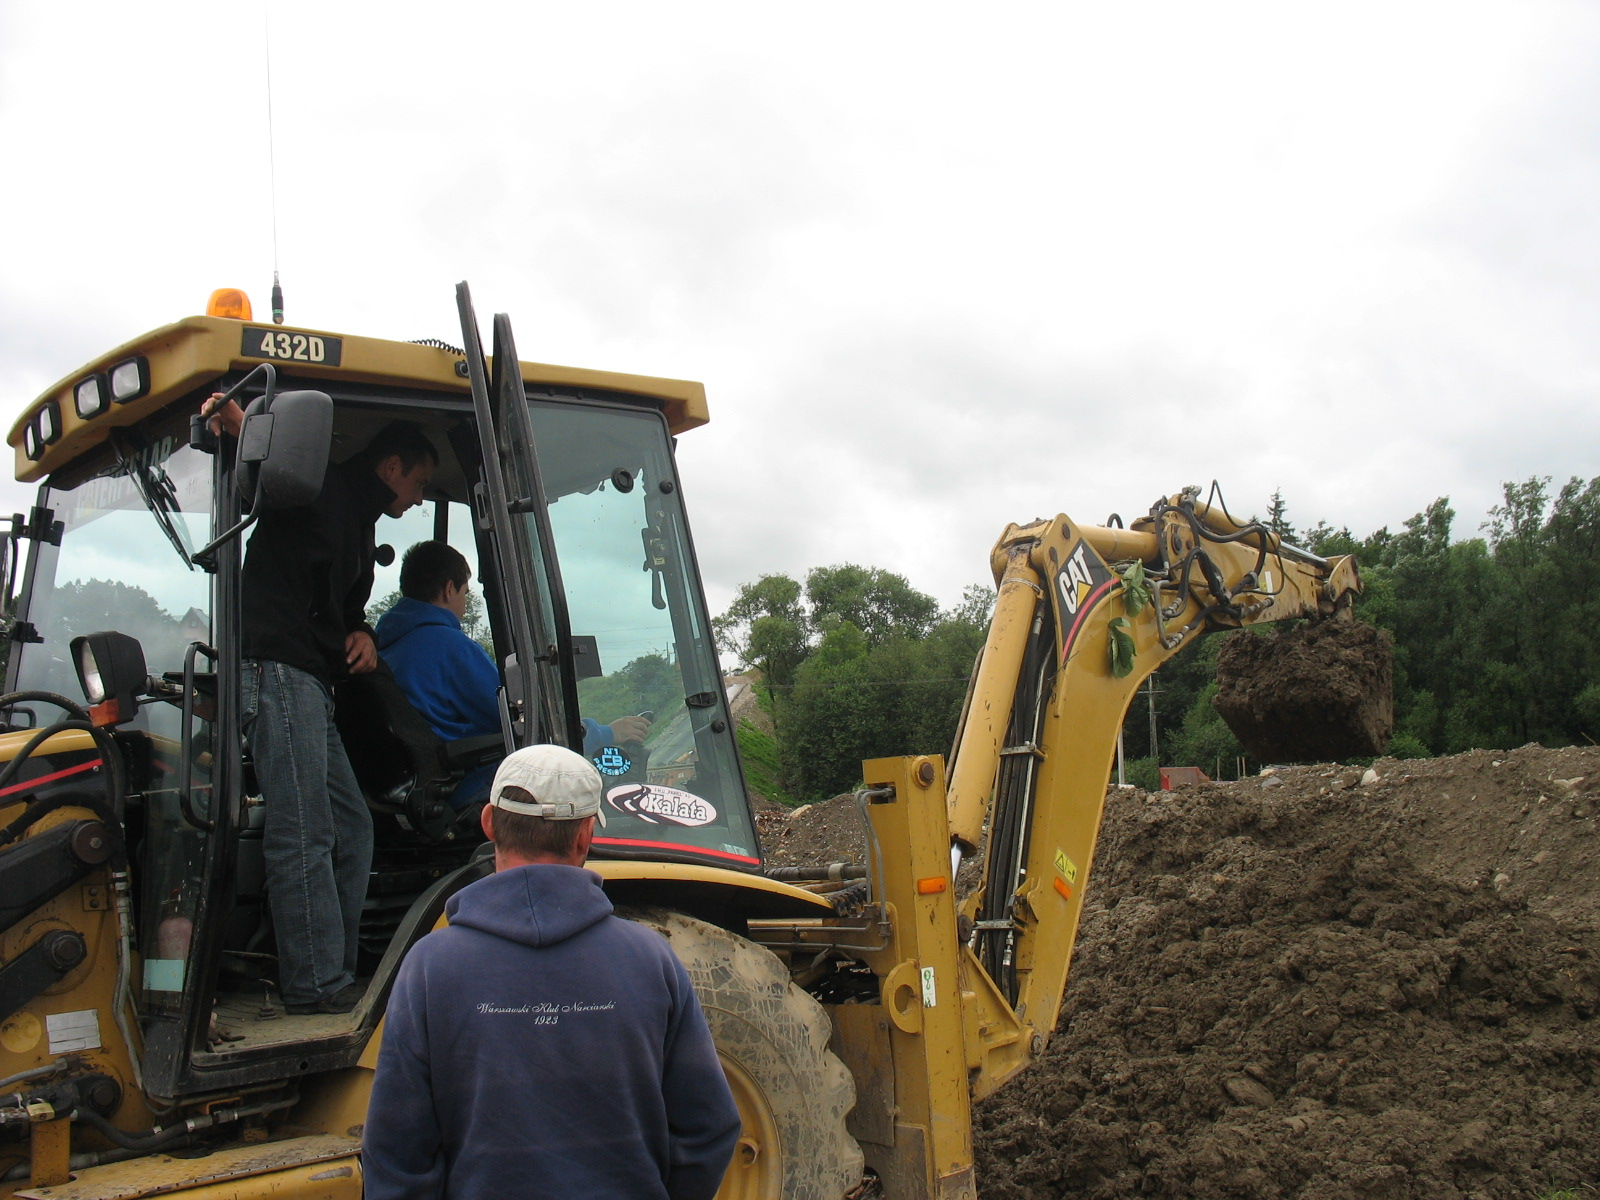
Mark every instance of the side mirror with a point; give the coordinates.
(283, 450)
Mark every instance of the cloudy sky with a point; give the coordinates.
(940, 267)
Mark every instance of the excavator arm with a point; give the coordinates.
(981, 898)
(1083, 616)
(1197, 568)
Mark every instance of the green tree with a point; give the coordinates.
(879, 603)
(1176, 685)
(1493, 641)
(1325, 540)
(767, 627)
(1204, 739)
(92, 605)
(853, 700)
(774, 624)
(858, 664)
(830, 717)
(1278, 518)
(650, 683)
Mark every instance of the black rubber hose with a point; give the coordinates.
(13, 699)
(130, 1141)
(116, 782)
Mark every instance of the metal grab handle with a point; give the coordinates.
(205, 555)
(186, 740)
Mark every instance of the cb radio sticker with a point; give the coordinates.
(612, 760)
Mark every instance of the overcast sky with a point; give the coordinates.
(939, 267)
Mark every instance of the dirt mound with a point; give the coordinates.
(812, 835)
(1308, 986)
(1308, 693)
(1321, 984)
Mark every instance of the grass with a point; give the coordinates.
(760, 754)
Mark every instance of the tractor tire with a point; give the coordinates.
(793, 1093)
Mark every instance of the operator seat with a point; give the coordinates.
(403, 766)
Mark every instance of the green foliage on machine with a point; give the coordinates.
(1122, 648)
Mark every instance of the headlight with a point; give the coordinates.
(90, 398)
(130, 380)
(42, 430)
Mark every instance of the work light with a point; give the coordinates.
(112, 671)
(90, 398)
(130, 380)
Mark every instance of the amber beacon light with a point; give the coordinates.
(229, 302)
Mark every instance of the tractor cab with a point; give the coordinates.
(560, 489)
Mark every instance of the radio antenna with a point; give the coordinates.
(272, 171)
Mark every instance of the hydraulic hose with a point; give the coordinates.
(129, 1141)
(78, 1162)
(116, 783)
(833, 871)
(12, 699)
(50, 1068)
(110, 813)
(162, 1137)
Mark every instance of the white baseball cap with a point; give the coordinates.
(565, 786)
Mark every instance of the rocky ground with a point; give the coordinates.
(1324, 984)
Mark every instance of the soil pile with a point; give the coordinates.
(1308, 693)
(1323, 984)
(1309, 986)
(812, 835)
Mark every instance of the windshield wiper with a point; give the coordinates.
(157, 491)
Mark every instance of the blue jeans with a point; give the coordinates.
(317, 841)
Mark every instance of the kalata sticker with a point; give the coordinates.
(661, 805)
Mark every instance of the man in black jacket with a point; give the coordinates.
(307, 576)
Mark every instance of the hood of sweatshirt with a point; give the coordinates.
(536, 905)
(408, 615)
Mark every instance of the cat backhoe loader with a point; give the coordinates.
(144, 1048)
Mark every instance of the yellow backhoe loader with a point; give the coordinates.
(144, 1047)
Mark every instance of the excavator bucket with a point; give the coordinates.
(1308, 693)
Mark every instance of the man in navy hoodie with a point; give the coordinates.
(540, 1046)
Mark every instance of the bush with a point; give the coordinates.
(1405, 745)
(1143, 773)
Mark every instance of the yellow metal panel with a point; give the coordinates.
(759, 897)
(84, 997)
(861, 1040)
(50, 1148)
(68, 741)
(337, 1104)
(184, 355)
(922, 988)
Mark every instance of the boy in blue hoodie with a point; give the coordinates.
(449, 678)
(540, 1046)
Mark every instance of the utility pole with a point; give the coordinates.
(1150, 689)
